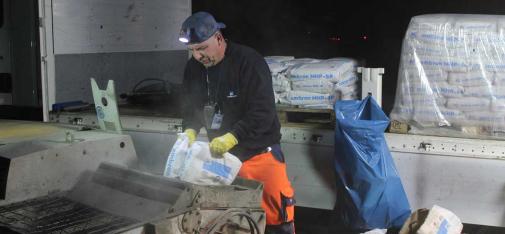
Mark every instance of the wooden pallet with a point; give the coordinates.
(291, 114)
(398, 127)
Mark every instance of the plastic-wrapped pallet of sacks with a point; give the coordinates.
(451, 76)
(278, 69)
(279, 80)
(319, 84)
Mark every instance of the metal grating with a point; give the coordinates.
(59, 215)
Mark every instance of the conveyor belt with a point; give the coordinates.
(52, 214)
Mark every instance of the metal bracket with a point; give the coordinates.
(196, 200)
(371, 83)
(447, 146)
(424, 145)
(106, 107)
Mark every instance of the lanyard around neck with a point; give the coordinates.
(216, 94)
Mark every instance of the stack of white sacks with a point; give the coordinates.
(313, 83)
(452, 74)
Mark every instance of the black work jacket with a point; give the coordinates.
(241, 84)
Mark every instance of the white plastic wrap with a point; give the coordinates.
(471, 78)
(278, 59)
(313, 83)
(347, 93)
(452, 75)
(469, 104)
(300, 61)
(317, 86)
(281, 83)
(277, 67)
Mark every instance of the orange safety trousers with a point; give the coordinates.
(278, 201)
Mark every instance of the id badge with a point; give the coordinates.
(216, 121)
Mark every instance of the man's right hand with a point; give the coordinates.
(191, 133)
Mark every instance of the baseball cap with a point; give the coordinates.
(199, 27)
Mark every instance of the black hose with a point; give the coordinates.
(228, 214)
(149, 79)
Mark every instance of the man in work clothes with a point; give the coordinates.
(229, 92)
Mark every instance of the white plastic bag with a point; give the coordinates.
(347, 93)
(332, 71)
(376, 231)
(441, 221)
(350, 79)
(314, 86)
(195, 164)
(318, 106)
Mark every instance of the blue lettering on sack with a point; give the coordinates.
(217, 168)
(313, 76)
(443, 229)
(347, 81)
(187, 160)
(171, 158)
(302, 98)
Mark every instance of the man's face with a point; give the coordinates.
(207, 52)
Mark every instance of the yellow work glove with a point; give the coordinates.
(191, 133)
(223, 144)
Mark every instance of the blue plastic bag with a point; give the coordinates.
(373, 195)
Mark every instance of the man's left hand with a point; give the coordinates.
(223, 144)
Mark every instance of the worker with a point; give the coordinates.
(228, 90)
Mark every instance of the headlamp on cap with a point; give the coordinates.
(199, 27)
(184, 36)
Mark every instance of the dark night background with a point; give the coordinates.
(313, 28)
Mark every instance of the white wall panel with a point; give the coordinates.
(98, 26)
